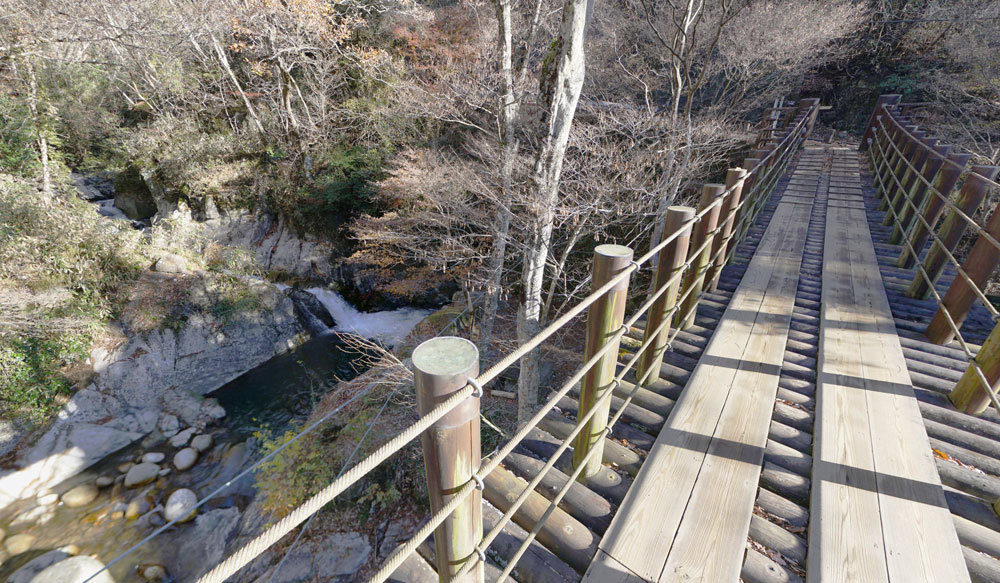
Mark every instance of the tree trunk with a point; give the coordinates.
(545, 185)
(36, 119)
(508, 151)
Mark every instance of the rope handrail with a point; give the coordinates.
(970, 356)
(768, 167)
(931, 151)
(942, 246)
(943, 197)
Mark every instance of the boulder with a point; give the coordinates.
(202, 442)
(104, 481)
(137, 508)
(74, 570)
(141, 474)
(171, 263)
(18, 543)
(35, 566)
(182, 438)
(80, 496)
(155, 573)
(168, 425)
(133, 196)
(212, 409)
(180, 506)
(154, 457)
(185, 459)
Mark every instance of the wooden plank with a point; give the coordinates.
(844, 542)
(710, 541)
(639, 539)
(604, 568)
(919, 536)
(878, 510)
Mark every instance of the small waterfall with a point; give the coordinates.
(389, 326)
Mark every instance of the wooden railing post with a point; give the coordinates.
(944, 182)
(978, 265)
(694, 281)
(914, 188)
(969, 395)
(442, 366)
(887, 99)
(813, 115)
(670, 261)
(742, 221)
(952, 229)
(603, 320)
(727, 224)
(912, 152)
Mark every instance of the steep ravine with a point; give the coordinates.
(137, 454)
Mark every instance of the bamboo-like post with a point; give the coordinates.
(944, 182)
(952, 229)
(888, 99)
(452, 454)
(979, 266)
(670, 261)
(748, 194)
(727, 225)
(898, 156)
(913, 196)
(694, 281)
(603, 320)
(969, 395)
(913, 150)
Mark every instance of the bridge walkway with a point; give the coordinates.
(712, 476)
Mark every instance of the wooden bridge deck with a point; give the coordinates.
(808, 348)
(687, 514)
(878, 507)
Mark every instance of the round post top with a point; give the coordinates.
(445, 355)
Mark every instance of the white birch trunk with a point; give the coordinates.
(545, 185)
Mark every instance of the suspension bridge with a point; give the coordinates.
(804, 395)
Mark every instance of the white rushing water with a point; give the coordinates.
(389, 326)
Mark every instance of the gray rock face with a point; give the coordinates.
(132, 195)
(206, 545)
(74, 570)
(338, 555)
(93, 187)
(180, 506)
(141, 378)
(276, 246)
(185, 459)
(141, 474)
(80, 496)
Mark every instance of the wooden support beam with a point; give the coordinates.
(958, 301)
(969, 395)
(913, 189)
(952, 229)
(944, 183)
(452, 454)
(727, 224)
(913, 151)
(701, 245)
(671, 260)
(888, 99)
(603, 320)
